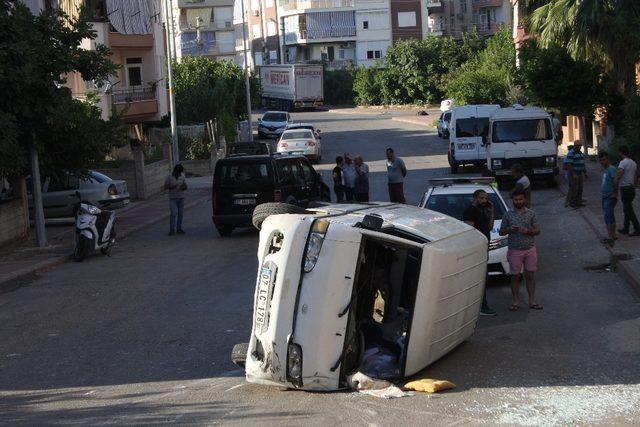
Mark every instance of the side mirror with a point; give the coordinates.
(259, 120)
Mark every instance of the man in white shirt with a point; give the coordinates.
(627, 178)
(349, 176)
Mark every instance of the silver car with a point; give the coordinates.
(59, 196)
(272, 124)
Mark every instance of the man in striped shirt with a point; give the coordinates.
(577, 174)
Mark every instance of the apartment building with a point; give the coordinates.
(456, 17)
(203, 27)
(373, 31)
(133, 31)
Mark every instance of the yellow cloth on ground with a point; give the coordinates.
(429, 385)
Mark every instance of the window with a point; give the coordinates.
(298, 134)
(133, 67)
(269, 3)
(274, 117)
(257, 58)
(309, 173)
(273, 56)
(406, 19)
(298, 173)
(237, 174)
(374, 54)
(272, 28)
(365, 25)
(284, 172)
(454, 205)
(463, 6)
(521, 130)
(256, 30)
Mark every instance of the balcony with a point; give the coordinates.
(434, 6)
(186, 4)
(477, 4)
(130, 41)
(289, 5)
(436, 30)
(488, 29)
(135, 104)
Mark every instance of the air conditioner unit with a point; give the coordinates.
(227, 24)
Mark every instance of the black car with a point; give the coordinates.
(240, 183)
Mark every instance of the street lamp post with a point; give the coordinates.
(246, 72)
(172, 99)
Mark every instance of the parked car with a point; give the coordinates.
(249, 148)
(59, 195)
(309, 126)
(339, 284)
(451, 196)
(240, 183)
(302, 141)
(272, 124)
(443, 124)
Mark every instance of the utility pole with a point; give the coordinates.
(172, 99)
(246, 72)
(38, 209)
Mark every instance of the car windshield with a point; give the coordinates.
(233, 174)
(98, 177)
(274, 117)
(454, 205)
(472, 127)
(521, 130)
(301, 127)
(302, 134)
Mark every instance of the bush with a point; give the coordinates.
(488, 78)
(366, 86)
(338, 86)
(628, 128)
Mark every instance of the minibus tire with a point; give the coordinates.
(264, 210)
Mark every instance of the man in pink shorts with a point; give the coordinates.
(521, 226)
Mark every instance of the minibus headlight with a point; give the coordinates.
(316, 238)
(496, 163)
(550, 160)
(294, 362)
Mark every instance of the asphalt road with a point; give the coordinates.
(144, 337)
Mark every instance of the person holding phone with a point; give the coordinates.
(521, 225)
(396, 173)
(479, 215)
(176, 183)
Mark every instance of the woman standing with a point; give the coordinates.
(176, 184)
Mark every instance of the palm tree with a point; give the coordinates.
(599, 31)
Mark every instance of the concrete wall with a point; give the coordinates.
(14, 216)
(124, 170)
(154, 175)
(143, 180)
(198, 167)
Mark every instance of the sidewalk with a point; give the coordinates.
(625, 254)
(24, 259)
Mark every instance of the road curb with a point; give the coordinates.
(5, 283)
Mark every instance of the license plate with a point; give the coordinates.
(263, 296)
(543, 170)
(503, 172)
(244, 202)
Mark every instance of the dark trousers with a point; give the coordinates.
(396, 193)
(361, 197)
(627, 194)
(339, 190)
(575, 189)
(176, 207)
(348, 194)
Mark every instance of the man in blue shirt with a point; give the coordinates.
(577, 174)
(609, 190)
(396, 172)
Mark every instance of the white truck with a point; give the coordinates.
(291, 86)
(522, 135)
(467, 126)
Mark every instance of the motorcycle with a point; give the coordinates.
(94, 230)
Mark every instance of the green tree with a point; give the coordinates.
(339, 86)
(366, 86)
(552, 78)
(36, 110)
(487, 78)
(603, 32)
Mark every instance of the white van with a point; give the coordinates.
(522, 135)
(468, 124)
(343, 280)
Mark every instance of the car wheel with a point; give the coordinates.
(225, 230)
(261, 212)
(239, 354)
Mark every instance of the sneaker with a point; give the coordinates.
(180, 231)
(485, 310)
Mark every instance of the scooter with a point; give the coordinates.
(94, 230)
